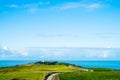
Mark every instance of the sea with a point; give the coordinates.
(88, 64)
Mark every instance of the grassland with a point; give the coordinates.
(38, 71)
(100, 74)
(33, 71)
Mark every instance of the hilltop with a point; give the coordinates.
(35, 71)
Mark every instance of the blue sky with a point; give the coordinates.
(59, 23)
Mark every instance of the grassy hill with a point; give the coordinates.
(90, 76)
(34, 71)
(95, 74)
(38, 71)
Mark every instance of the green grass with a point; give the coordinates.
(22, 75)
(32, 71)
(37, 71)
(104, 75)
(100, 69)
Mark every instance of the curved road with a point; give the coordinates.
(53, 77)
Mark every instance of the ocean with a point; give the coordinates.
(7, 63)
(87, 64)
(97, 64)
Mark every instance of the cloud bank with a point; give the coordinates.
(85, 6)
(37, 6)
(39, 53)
(8, 54)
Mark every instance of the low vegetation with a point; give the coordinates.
(100, 74)
(39, 70)
(100, 69)
(34, 71)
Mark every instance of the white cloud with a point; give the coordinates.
(31, 7)
(54, 50)
(24, 53)
(94, 6)
(73, 53)
(44, 3)
(6, 52)
(5, 48)
(14, 6)
(35, 7)
(57, 35)
(61, 53)
(58, 53)
(33, 10)
(72, 5)
(69, 5)
(104, 54)
(44, 49)
(96, 53)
